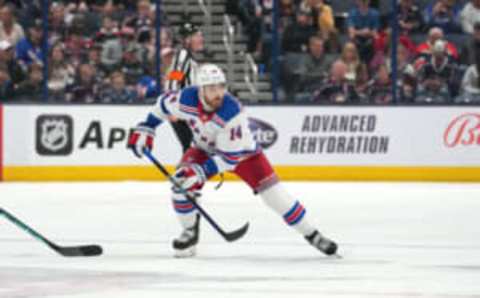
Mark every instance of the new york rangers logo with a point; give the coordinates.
(54, 135)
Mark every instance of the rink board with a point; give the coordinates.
(74, 143)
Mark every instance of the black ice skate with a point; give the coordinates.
(185, 244)
(322, 243)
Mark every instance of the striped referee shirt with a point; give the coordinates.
(183, 71)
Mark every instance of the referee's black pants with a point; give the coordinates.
(184, 134)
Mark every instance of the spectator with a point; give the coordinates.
(314, 66)
(8, 63)
(408, 87)
(166, 42)
(436, 76)
(337, 89)
(424, 50)
(97, 5)
(85, 88)
(166, 38)
(56, 23)
(470, 15)
(14, 4)
(470, 91)
(94, 59)
(148, 52)
(407, 82)
(109, 37)
(404, 57)
(6, 86)
(26, 11)
(265, 11)
(126, 5)
(357, 72)
(287, 13)
(118, 92)
(167, 55)
(10, 30)
(363, 24)
(409, 17)
(296, 36)
(146, 89)
(380, 88)
(32, 87)
(141, 49)
(325, 22)
(111, 9)
(127, 36)
(76, 46)
(132, 66)
(61, 73)
(444, 14)
(81, 15)
(108, 31)
(471, 49)
(29, 49)
(141, 21)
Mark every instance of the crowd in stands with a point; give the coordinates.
(104, 51)
(331, 57)
(97, 51)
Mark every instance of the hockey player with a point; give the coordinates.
(222, 141)
(182, 73)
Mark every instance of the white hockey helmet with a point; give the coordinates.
(210, 74)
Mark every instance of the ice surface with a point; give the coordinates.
(398, 240)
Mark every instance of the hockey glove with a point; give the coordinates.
(141, 138)
(191, 177)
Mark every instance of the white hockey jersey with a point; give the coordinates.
(223, 134)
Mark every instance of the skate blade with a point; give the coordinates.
(185, 253)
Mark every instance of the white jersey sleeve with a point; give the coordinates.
(167, 105)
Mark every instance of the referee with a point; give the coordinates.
(182, 73)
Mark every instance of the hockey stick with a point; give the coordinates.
(231, 236)
(66, 251)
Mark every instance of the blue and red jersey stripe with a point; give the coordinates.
(295, 214)
(183, 206)
(189, 110)
(237, 156)
(217, 120)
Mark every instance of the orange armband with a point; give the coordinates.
(176, 75)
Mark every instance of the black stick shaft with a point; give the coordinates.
(66, 251)
(228, 236)
(26, 228)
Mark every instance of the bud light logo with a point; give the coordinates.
(463, 130)
(264, 133)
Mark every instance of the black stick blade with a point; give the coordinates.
(79, 251)
(235, 235)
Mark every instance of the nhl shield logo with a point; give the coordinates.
(54, 135)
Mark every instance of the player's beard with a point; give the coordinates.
(210, 104)
(205, 105)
